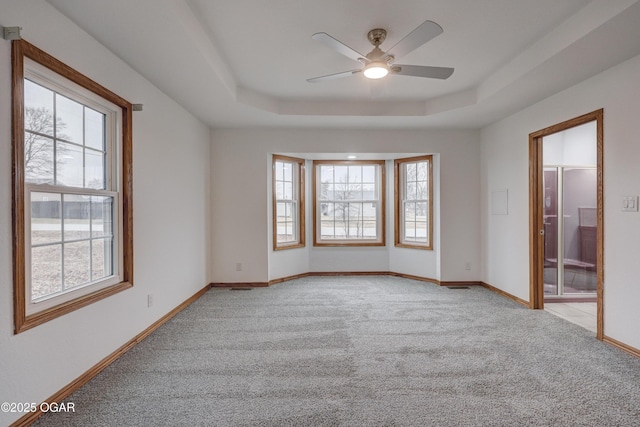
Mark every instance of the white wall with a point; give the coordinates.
(240, 162)
(504, 164)
(171, 211)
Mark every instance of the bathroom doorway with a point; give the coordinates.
(566, 215)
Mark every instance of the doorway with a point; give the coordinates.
(566, 225)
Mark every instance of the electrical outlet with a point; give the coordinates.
(467, 266)
(149, 300)
(238, 266)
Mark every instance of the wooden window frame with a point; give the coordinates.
(299, 199)
(23, 321)
(381, 221)
(398, 202)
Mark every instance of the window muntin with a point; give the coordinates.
(349, 203)
(288, 202)
(413, 203)
(72, 189)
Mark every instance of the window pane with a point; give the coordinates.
(288, 191)
(422, 190)
(369, 229)
(278, 170)
(355, 174)
(69, 119)
(94, 129)
(287, 172)
(101, 216)
(285, 221)
(279, 190)
(369, 174)
(101, 258)
(94, 171)
(38, 108)
(327, 212)
(422, 171)
(411, 191)
(327, 191)
(46, 226)
(410, 231)
(348, 217)
(76, 217)
(77, 263)
(38, 159)
(340, 174)
(421, 211)
(46, 270)
(414, 207)
(411, 172)
(354, 192)
(369, 192)
(69, 165)
(410, 211)
(326, 173)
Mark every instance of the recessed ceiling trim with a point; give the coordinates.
(554, 43)
(194, 29)
(355, 108)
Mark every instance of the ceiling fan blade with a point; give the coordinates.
(422, 71)
(333, 76)
(416, 38)
(337, 45)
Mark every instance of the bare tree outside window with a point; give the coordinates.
(349, 200)
(38, 144)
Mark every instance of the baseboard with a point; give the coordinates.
(239, 284)
(288, 278)
(622, 346)
(321, 273)
(418, 278)
(353, 273)
(70, 388)
(505, 294)
(350, 273)
(462, 283)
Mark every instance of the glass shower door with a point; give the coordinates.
(570, 231)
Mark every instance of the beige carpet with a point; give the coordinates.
(362, 351)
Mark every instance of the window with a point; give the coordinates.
(288, 202)
(413, 202)
(72, 189)
(349, 203)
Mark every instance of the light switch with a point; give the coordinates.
(630, 204)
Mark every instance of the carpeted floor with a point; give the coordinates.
(362, 351)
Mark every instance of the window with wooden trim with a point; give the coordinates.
(72, 216)
(414, 202)
(349, 203)
(288, 203)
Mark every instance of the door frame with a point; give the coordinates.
(536, 220)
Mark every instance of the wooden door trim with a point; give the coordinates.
(536, 241)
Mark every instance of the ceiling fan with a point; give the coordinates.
(378, 63)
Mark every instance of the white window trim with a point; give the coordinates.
(25, 54)
(113, 143)
(380, 202)
(298, 202)
(399, 214)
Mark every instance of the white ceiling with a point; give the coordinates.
(244, 63)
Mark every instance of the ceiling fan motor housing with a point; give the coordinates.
(377, 36)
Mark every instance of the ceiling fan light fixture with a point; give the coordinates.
(376, 70)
